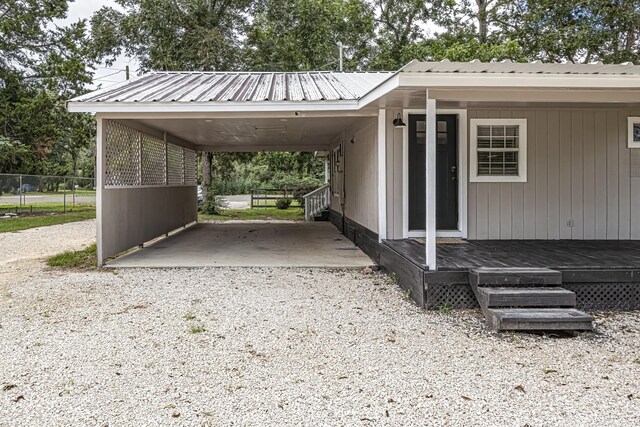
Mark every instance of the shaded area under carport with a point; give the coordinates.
(309, 244)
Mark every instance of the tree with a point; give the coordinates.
(41, 66)
(186, 35)
(400, 25)
(576, 30)
(304, 35)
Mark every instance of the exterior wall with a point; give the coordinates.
(129, 215)
(582, 181)
(360, 165)
(132, 216)
(395, 165)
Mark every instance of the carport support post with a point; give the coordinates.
(382, 175)
(101, 137)
(430, 226)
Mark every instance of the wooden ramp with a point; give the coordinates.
(529, 299)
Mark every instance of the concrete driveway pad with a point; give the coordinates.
(309, 244)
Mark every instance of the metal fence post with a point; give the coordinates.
(20, 191)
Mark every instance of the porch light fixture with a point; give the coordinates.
(398, 123)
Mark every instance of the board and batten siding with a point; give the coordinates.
(361, 173)
(582, 182)
(394, 159)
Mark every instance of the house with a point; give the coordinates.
(454, 176)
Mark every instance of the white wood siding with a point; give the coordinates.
(583, 182)
(394, 177)
(361, 169)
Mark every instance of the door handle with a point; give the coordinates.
(453, 173)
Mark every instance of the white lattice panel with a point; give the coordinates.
(175, 162)
(153, 161)
(190, 167)
(122, 153)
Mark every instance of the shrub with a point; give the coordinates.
(213, 204)
(283, 203)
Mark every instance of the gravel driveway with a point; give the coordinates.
(231, 346)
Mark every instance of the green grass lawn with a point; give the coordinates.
(291, 214)
(85, 258)
(25, 222)
(272, 203)
(48, 207)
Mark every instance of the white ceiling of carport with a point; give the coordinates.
(256, 134)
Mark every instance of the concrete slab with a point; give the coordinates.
(309, 244)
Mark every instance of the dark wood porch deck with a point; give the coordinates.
(555, 254)
(605, 275)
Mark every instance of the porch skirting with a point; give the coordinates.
(603, 288)
(361, 236)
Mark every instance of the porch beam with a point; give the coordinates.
(259, 148)
(382, 175)
(430, 169)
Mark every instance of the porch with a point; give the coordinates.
(604, 274)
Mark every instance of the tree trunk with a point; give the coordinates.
(206, 175)
(482, 20)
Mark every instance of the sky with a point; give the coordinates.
(105, 76)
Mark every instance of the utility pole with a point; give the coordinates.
(126, 72)
(340, 45)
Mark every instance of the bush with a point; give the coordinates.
(213, 204)
(283, 203)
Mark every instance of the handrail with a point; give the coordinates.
(316, 201)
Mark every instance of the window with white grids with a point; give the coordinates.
(498, 150)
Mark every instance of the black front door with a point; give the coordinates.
(446, 172)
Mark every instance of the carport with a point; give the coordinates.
(149, 132)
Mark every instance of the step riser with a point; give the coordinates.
(533, 326)
(525, 298)
(516, 279)
(546, 319)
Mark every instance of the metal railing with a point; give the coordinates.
(30, 194)
(316, 202)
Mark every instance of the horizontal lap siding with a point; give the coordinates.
(582, 181)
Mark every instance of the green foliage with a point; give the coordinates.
(213, 204)
(82, 259)
(173, 34)
(300, 35)
(283, 203)
(41, 66)
(291, 214)
(239, 173)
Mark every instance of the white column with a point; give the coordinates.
(382, 175)
(101, 136)
(430, 226)
(326, 169)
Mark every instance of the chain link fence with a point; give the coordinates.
(38, 194)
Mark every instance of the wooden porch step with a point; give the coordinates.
(538, 319)
(489, 276)
(525, 297)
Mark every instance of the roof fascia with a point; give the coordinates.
(393, 82)
(482, 80)
(190, 107)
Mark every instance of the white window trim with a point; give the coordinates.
(462, 175)
(630, 122)
(473, 151)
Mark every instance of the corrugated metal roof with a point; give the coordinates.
(520, 68)
(240, 87)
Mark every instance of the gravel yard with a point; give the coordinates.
(233, 346)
